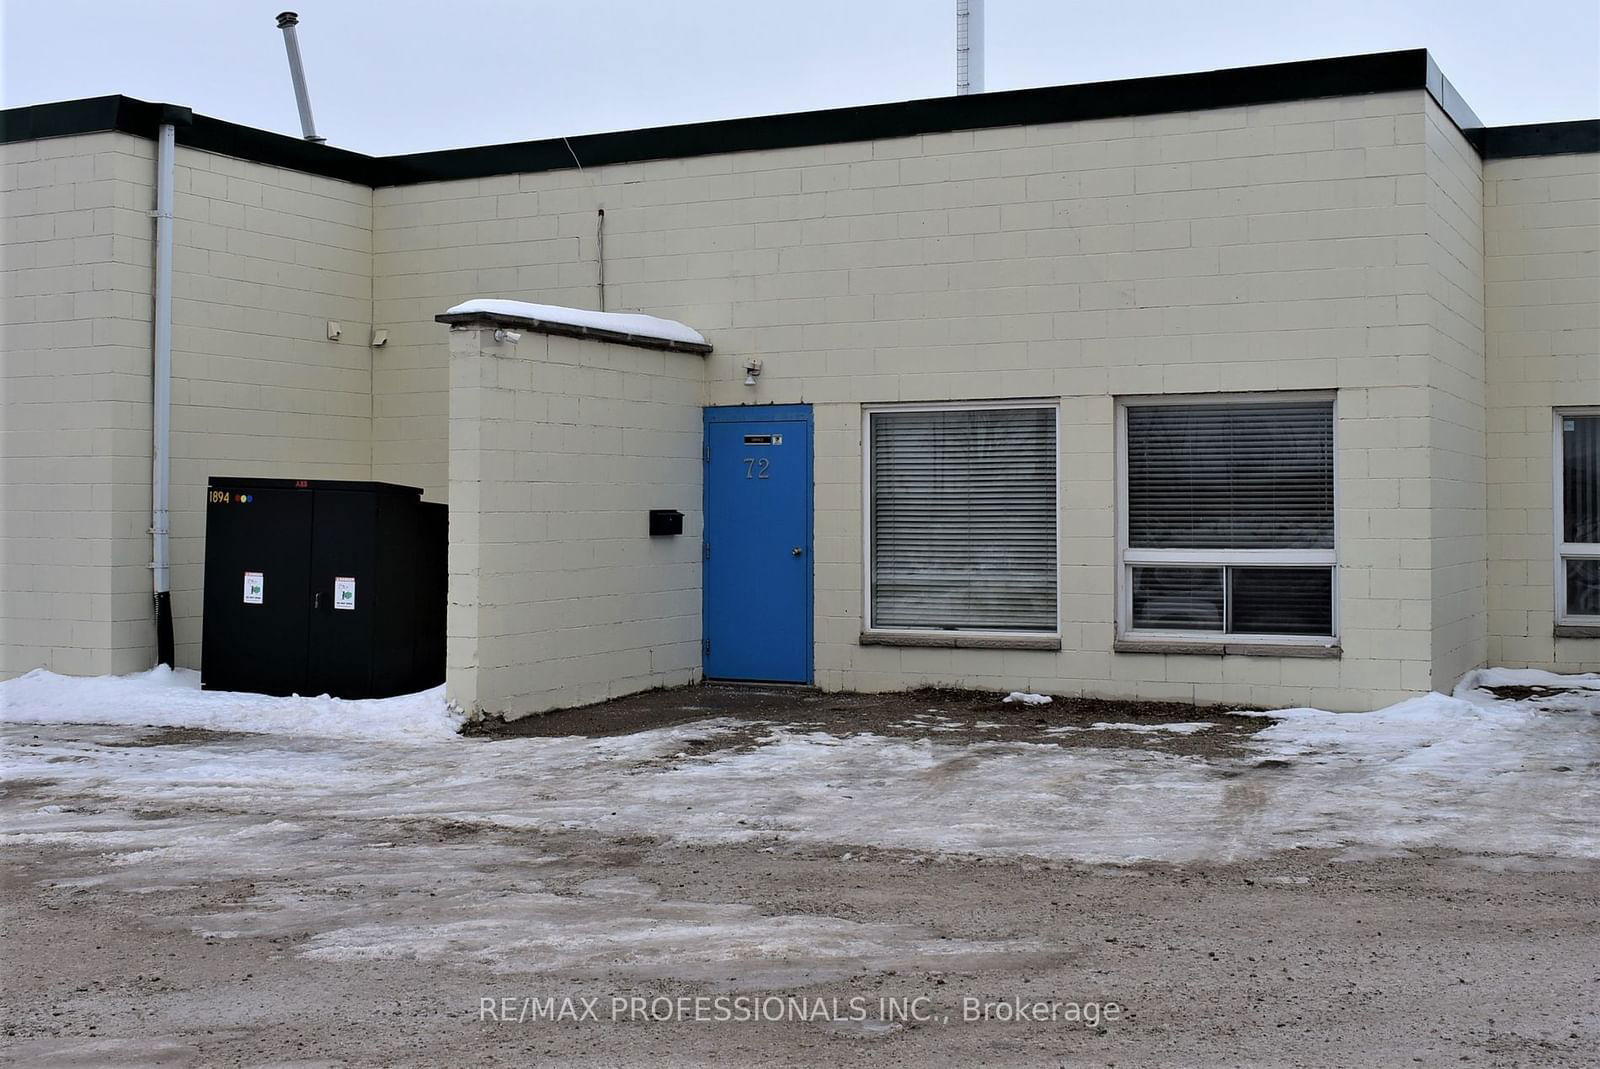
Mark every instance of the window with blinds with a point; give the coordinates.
(1578, 518)
(962, 518)
(1229, 526)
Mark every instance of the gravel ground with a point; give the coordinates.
(958, 717)
(1296, 959)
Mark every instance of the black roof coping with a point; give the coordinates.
(1380, 72)
(90, 115)
(142, 119)
(1537, 139)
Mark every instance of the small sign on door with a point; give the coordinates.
(344, 592)
(253, 588)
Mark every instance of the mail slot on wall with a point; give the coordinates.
(666, 522)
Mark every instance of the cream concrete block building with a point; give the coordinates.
(1272, 386)
(558, 594)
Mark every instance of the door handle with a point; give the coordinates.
(316, 600)
(798, 551)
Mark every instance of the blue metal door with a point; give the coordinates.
(758, 543)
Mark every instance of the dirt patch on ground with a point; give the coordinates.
(20, 789)
(955, 716)
(1545, 698)
(179, 737)
(1517, 693)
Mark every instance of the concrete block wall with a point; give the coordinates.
(75, 314)
(263, 258)
(410, 404)
(1458, 601)
(1278, 247)
(1384, 581)
(559, 447)
(1542, 296)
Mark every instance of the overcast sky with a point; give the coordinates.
(405, 76)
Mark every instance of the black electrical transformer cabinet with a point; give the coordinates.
(316, 586)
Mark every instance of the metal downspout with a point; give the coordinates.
(161, 409)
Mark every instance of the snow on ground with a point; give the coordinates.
(1525, 677)
(164, 697)
(433, 827)
(1188, 727)
(439, 875)
(642, 326)
(1574, 693)
(623, 920)
(1471, 772)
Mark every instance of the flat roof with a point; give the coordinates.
(1378, 72)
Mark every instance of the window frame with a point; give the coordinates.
(1127, 558)
(1565, 551)
(868, 411)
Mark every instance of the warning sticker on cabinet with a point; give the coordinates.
(344, 592)
(253, 586)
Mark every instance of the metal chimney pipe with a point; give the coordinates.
(287, 21)
(969, 47)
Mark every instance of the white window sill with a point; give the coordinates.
(960, 640)
(1225, 647)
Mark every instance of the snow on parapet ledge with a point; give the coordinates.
(626, 328)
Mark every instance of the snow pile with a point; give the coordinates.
(1472, 772)
(1550, 692)
(1427, 732)
(640, 326)
(1027, 699)
(164, 697)
(1526, 677)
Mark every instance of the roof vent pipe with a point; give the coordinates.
(969, 47)
(287, 21)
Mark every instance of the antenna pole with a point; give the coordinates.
(969, 47)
